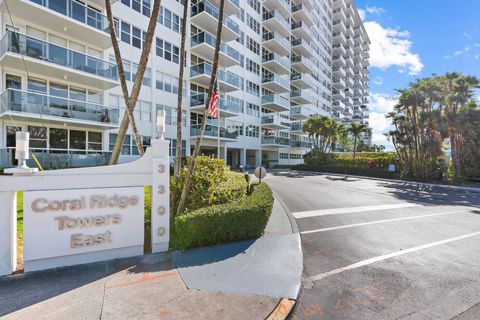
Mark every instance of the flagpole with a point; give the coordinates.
(218, 131)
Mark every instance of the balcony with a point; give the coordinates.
(300, 144)
(339, 61)
(274, 41)
(339, 37)
(338, 94)
(339, 26)
(275, 103)
(231, 6)
(277, 142)
(339, 49)
(302, 47)
(348, 92)
(297, 127)
(275, 63)
(273, 20)
(347, 111)
(41, 57)
(301, 97)
(203, 45)
(302, 30)
(302, 64)
(200, 74)
(25, 105)
(275, 83)
(212, 133)
(339, 72)
(82, 22)
(338, 83)
(227, 109)
(339, 14)
(302, 13)
(299, 113)
(347, 102)
(302, 80)
(275, 122)
(205, 15)
(281, 5)
(338, 106)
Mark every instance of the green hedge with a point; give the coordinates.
(239, 220)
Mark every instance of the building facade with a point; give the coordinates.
(281, 62)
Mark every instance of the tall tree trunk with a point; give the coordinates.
(354, 150)
(178, 153)
(191, 166)
(131, 99)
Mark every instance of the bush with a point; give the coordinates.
(239, 220)
(212, 183)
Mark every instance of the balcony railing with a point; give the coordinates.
(225, 105)
(77, 11)
(205, 68)
(49, 52)
(267, 36)
(276, 140)
(276, 99)
(272, 56)
(207, 38)
(273, 14)
(275, 119)
(297, 126)
(300, 144)
(212, 10)
(272, 77)
(47, 105)
(212, 131)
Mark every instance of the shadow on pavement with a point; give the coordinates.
(432, 195)
(23, 290)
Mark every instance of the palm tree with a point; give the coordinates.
(131, 98)
(196, 150)
(178, 153)
(356, 130)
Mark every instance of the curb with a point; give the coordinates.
(293, 224)
(282, 310)
(404, 182)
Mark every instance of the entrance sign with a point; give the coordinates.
(83, 215)
(68, 222)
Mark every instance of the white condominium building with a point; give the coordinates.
(281, 62)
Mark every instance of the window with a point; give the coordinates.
(94, 140)
(58, 138)
(253, 67)
(169, 19)
(283, 155)
(252, 131)
(255, 4)
(125, 145)
(11, 136)
(253, 110)
(253, 88)
(125, 35)
(167, 51)
(38, 137)
(253, 46)
(78, 139)
(136, 37)
(253, 24)
(159, 47)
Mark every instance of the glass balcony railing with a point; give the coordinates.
(272, 77)
(225, 105)
(275, 119)
(276, 99)
(301, 76)
(78, 11)
(212, 10)
(49, 52)
(212, 131)
(299, 59)
(275, 140)
(301, 94)
(297, 126)
(207, 38)
(298, 110)
(206, 68)
(273, 14)
(300, 144)
(47, 105)
(274, 35)
(272, 56)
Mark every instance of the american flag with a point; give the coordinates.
(213, 107)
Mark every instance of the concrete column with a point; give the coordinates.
(243, 157)
(160, 195)
(258, 158)
(8, 232)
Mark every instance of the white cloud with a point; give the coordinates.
(375, 10)
(378, 81)
(380, 105)
(392, 47)
(468, 48)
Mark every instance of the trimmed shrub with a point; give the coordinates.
(239, 220)
(212, 183)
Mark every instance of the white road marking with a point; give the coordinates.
(325, 212)
(387, 256)
(379, 221)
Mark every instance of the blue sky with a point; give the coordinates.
(416, 38)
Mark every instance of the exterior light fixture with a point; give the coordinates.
(22, 154)
(161, 124)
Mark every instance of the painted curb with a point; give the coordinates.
(282, 310)
(404, 182)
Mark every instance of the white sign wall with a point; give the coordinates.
(73, 222)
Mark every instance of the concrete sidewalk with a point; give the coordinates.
(241, 280)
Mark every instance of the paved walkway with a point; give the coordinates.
(242, 280)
